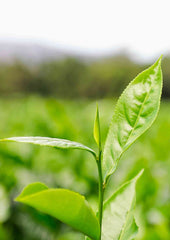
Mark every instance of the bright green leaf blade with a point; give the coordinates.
(87, 238)
(32, 189)
(65, 205)
(118, 213)
(50, 142)
(96, 130)
(134, 113)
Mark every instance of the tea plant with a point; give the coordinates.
(134, 113)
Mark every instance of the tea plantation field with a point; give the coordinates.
(21, 164)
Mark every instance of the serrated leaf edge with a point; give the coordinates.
(158, 62)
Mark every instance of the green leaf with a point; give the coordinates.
(4, 205)
(50, 142)
(65, 205)
(118, 213)
(87, 238)
(96, 130)
(134, 113)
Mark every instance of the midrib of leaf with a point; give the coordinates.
(47, 190)
(137, 118)
(50, 190)
(37, 141)
(32, 194)
(133, 128)
(126, 220)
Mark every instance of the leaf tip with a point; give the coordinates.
(17, 199)
(159, 61)
(96, 129)
(31, 189)
(139, 174)
(97, 106)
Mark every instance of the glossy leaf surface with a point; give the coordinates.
(50, 142)
(65, 205)
(118, 213)
(134, 113)
(96, 131)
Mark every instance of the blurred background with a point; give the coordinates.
(57, 58)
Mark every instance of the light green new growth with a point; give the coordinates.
(96, 130)
(118, 214)
(134, 113)
(65, 205)
(97, 137)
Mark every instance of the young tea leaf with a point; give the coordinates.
(50, 142)
(134, 113)
(65, 205)
(96, 130)
(118, 213)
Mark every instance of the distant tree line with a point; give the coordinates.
(73, 78)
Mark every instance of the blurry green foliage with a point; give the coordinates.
(76, 170)
(73, 78)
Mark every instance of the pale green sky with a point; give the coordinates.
(90, 26)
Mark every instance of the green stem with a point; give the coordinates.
(101, 193)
